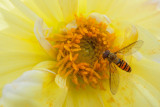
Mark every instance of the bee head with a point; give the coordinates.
(105, 54)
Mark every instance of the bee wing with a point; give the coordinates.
(130, 49)
(114, 78)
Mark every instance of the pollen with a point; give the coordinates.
(79, 52)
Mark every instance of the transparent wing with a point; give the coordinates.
(130, 49)
(114, 78)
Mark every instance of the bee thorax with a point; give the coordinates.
(113, 58)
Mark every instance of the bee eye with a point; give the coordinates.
(105, 55)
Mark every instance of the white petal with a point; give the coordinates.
(35, 88)
(101, 18)
(26, 90)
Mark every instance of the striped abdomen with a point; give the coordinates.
(123, 65)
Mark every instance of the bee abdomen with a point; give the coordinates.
(123, 65)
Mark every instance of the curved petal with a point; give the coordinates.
(15, 9)
(133, 91)
(39, 31)
(28, 90)
(48, 10)
(82, 6)
(148, 70)
(151, 45)
(124, 10)
(54, 90)
(146, 90)
(47, 66)
(26, 11)
(54, 11)
(127, 33)
(69, 8)
(88, 97)
(141, 12)
(19, 47)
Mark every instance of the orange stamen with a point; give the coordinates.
(70, 45)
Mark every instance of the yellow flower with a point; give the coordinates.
(51, 52)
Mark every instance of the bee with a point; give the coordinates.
(114, 60)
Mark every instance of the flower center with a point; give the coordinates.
(80, 51)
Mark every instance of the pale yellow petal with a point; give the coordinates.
(147, 69)
(54, 90)
(124, 96)
(44, 11)
(141, 12)
(25, 10)
(13, 20)
(82, 6)
(17, 56)
(138, 12)
(6, 4)
(133, 91)
(151, 46)
(99, 6)
(3, 24)
(46, 64)
(26, 90)
(29, 90)
(125, 33)
(23, 14)
(146, 90)
(39, 30)
(83, 98)
(19, 47)
(69, 8)
(54, 7)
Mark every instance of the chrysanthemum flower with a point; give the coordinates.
(51, 52)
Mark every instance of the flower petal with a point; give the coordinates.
(125, 33)
(23, 14)
(151, 46)
(69, 8)
(140, 12)
(29, 90)
(133, 91)
(26, 11)
(19, 47)
(39, 32)
(146, 90)
(49, 10)
(26, 90)
(46, 66)
(148, 70)
(82, 6)
(54, 90)
(83, 98)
